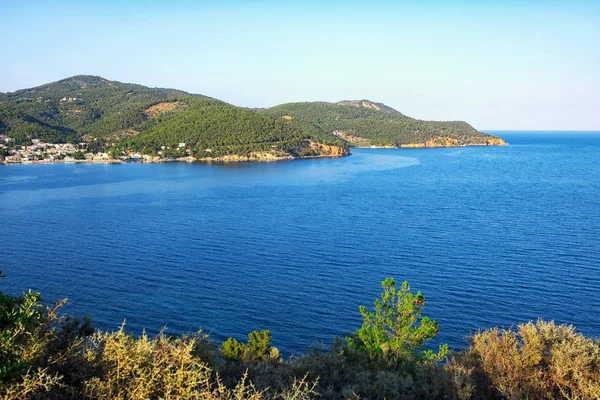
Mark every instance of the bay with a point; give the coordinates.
(490, 235)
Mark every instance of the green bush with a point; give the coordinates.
(395, 329)
(258, 348)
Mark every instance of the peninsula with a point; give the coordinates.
(91, 119)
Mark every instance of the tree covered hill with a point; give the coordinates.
(215, 129)
(82, 105)
(154, 121)
(158, 121)
(364, 123)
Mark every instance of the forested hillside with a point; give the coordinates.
(364, 123)
(80, 106)
(122, 118)
(160, 122)
(211, 128)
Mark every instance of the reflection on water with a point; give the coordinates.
(186, 177)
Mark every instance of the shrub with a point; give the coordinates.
(258, 348)
(36, 344)
(33, 382)
(144, 368)
(44, 355)
(538, 361)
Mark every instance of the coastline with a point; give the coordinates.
(424, 146)
(190, 159)
(256, 157)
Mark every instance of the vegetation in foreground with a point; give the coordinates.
(46, 355)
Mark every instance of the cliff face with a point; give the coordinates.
(443, 141)
(495, 141)
(324, 150)
(440, 141)
(251, 156)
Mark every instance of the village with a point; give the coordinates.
(40, 152)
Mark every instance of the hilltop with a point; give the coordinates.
(124, 117)
(78, 106)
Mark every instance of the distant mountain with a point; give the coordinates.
(166, 122)
(363, 123)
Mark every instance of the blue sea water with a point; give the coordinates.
(490, 235)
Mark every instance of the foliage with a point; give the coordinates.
(69, 109)
(258, 348)
(115, 115)
(223, 130)
(36, 344)
(87, 107)
(34, 382)
(44, 355)
(375, 123)
(78, 155)
(342, 373)
(26, 329)
(395, 329)
(145, 368)
(539, 360)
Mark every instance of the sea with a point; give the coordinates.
(492, 236)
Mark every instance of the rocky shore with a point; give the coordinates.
(308, 149)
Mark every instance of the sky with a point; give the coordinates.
(529, 65)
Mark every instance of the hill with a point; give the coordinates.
(72, 108)
(212, 129)
(126, 118)
(363, 123)
(154, 121)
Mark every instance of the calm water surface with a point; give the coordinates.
(491, 236)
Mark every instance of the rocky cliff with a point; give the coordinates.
(443, 141)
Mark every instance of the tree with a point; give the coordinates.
(395, 329)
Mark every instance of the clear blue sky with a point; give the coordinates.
(496, 64)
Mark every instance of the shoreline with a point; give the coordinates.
(425, 146)
(239, 158)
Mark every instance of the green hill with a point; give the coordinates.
(363, 123)
(72, 108)
(153, 121)
(215, 129)
(168, 122)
